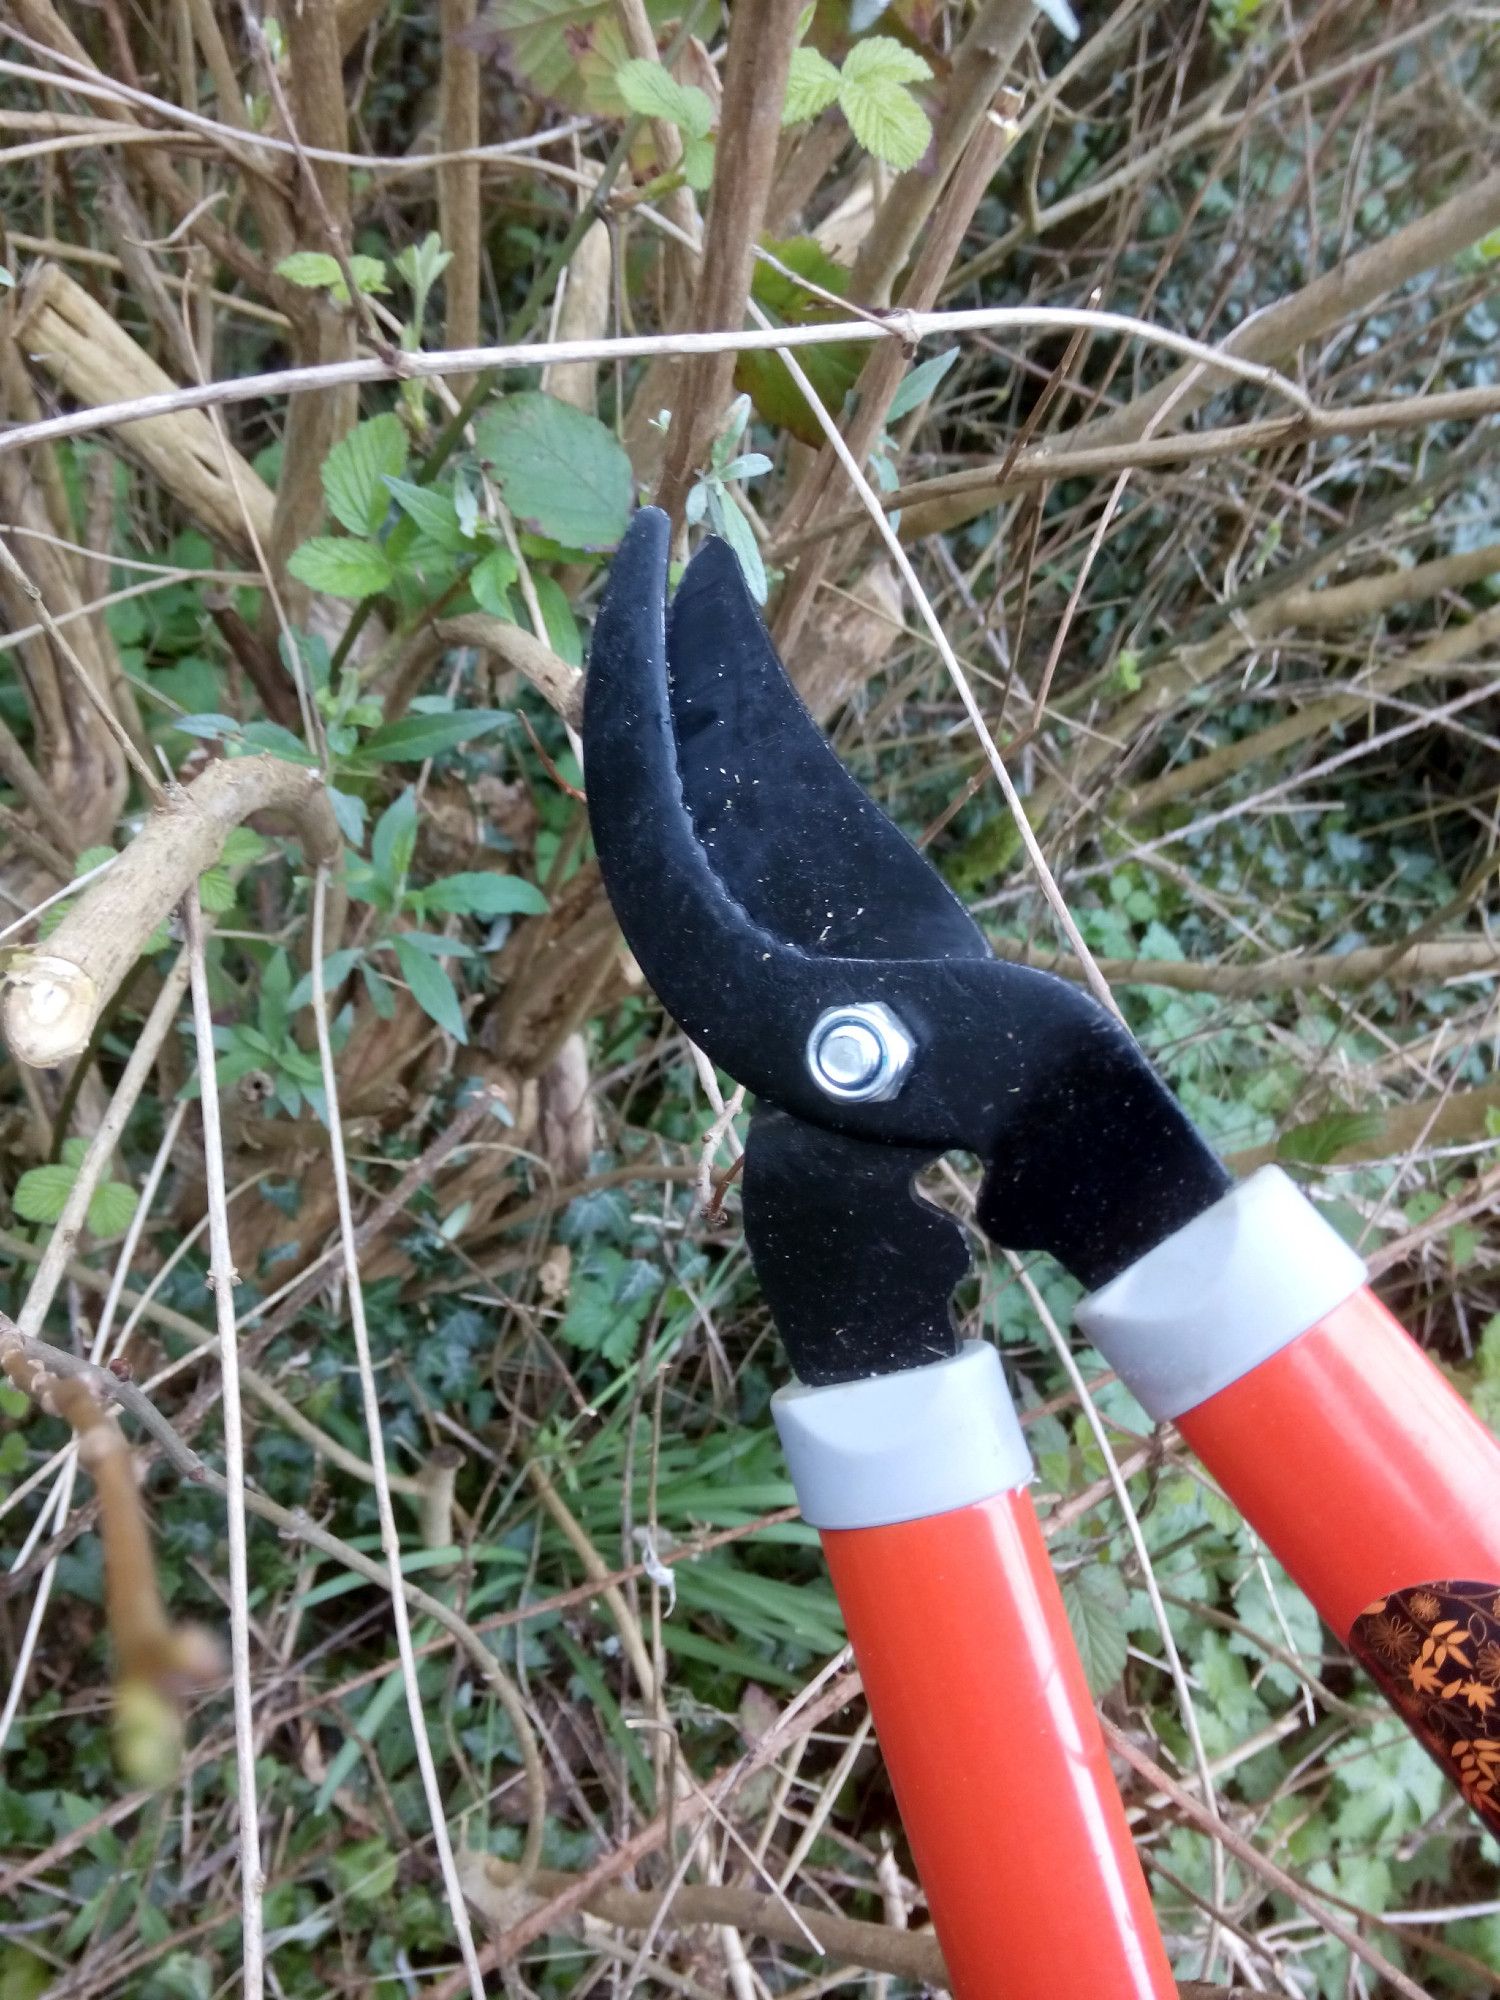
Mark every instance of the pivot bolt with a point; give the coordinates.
(859, 1054)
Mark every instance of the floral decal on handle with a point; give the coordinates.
(1434, 1652)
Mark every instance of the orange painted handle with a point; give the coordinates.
(1379, 1490)
(994, 1751)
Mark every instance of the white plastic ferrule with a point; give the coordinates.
(1222, 1294)
(900, 1447)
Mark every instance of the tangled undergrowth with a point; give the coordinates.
(320, 1048)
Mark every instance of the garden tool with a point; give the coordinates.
(801, 941)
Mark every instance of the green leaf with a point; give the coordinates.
(355, 472)
(42, 1192)
(561, 471)
(416, 737)
(215, 892)
(431, 988)
(93, 857)
(832, 370)
(881, 59)
(1097, 1604)
(737, 531)
(315, 271)
(883, 115)
(275, 1003)
(651, 91)
(242, 847)
(490, 580)
(482, 894)
(563, 635)
(111, 1207)
(698, 156)
(1323, 1139)
(280, 742)
(919, 384)
(342, 566)
(395, 839)
(433, 511)
(812, 84)
(336, 969)
(365, 1871)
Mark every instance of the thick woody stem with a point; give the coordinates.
(56, 995)
(761, 40)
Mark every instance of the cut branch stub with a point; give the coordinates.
(55, 996)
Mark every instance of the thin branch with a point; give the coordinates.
(909, 328)
(223, 1278)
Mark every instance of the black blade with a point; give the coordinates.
(785, 828)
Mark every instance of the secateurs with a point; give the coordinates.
(798, 937)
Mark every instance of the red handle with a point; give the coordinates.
(1379, 1490)
(990, 1738)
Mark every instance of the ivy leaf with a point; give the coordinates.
(433, 512)
(42, 1192)
(651, 91)
(111, 1208)
(417, 737)
(341, 566)
(561, 471)
(483, 894)
(812, 84)
(1097, 1604)
(355, 472)
(882, 113)
(431, 988)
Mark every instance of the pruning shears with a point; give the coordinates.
(792, 930)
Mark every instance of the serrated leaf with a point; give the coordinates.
(342, 566)
(433, 511)
(1097, 1605)
(242, 846)
(698, 156)
(561, 471)
(651, 91)
(490, 580)
(431, 988)
(111, 1207)
(482, 894)
(215, 892)
(881, 59)
(417, 737)
(315, 271)
(887, 121)
(355, 472)
(812, 84)
(42, 1192)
